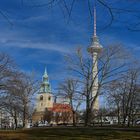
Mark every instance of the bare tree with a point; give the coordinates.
(130, 94)
(114, 99)
(65, 117)
(56, 117)
(7, 71)
(124, 94)
(16, 89)
(12, 110)
(101, 116)
(69, 90)
(21, 88)
(111, 64)
(48, 116)
(6, 68)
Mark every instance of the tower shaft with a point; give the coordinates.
(95, 80)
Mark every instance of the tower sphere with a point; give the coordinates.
(95, 46)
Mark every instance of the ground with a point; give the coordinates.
(69, 133)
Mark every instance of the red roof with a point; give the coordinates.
(57, 107)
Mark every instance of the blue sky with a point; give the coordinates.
(42, 36)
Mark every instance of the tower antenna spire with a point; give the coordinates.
(95, 20)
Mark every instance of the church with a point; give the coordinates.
(49, 108)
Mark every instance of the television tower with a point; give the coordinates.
(94, 49)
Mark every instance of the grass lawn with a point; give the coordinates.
(65, 133)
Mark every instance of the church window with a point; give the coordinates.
(41, 97)
(49, 98)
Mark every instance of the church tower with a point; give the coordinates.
(45, 104)
(94, 49)
(44, 97)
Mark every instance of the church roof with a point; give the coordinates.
(58, 107)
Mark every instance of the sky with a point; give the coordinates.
(36, 35)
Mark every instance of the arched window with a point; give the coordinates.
(41, 97)
(49, 98)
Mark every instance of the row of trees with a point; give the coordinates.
(124, 96)
(16, 90)
(118, 81)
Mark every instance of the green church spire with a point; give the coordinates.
(45, 85)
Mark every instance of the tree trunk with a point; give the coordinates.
(74, 118)
(15, 120)
(118, 115)
(101, 120)
(88, 110)
(25, 121)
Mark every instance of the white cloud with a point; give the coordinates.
(36, 45)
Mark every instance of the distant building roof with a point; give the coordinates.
(58, 107)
